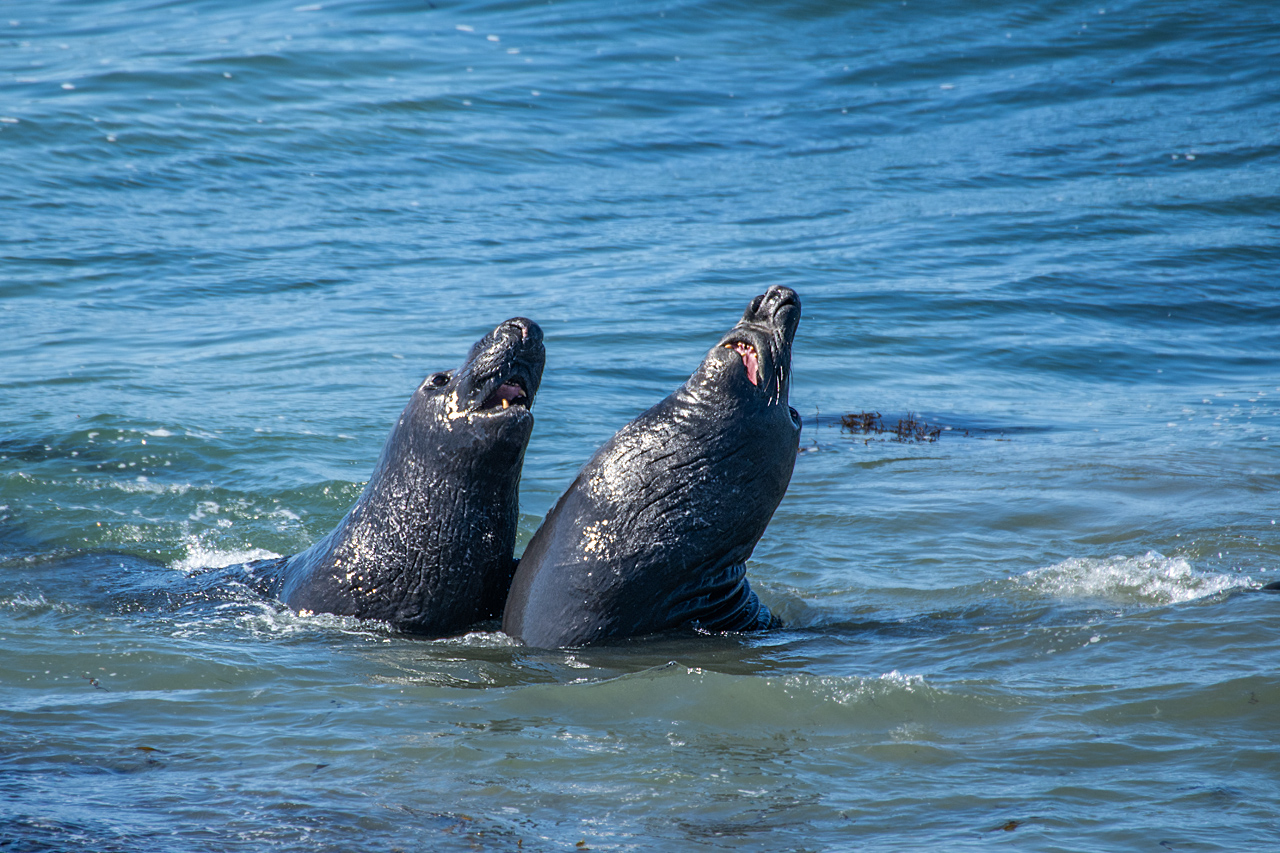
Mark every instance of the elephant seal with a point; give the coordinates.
(654, 533)
(428, 546)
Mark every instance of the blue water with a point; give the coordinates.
(235, 236)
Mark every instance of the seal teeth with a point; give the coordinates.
(506, 394)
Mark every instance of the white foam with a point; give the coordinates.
(1151, 579)
(201, 556)
(143, 485)
(282, 621)
(909, 683)
(23, 601)
(490, 640)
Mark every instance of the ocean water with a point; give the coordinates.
(234, 237)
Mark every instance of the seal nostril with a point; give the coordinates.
(782, 296)
(519, 323)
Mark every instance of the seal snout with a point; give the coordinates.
(524, 326)
(509, 369)
(762, 339)
(770, 306)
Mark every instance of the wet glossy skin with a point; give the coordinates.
(428, 546)
(654, 533)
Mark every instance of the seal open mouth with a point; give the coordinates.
(750, 359)
(509, 393)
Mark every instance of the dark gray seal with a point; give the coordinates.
(428, 546)
(654, 533)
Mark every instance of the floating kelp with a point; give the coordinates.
(907, 428)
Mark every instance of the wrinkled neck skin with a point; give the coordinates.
(654, 533)
(428, 546)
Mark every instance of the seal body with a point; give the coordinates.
(428, 546)
(654, 533)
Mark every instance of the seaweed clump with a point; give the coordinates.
(907, 428)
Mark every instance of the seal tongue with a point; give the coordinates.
(504, 394)
(750, 361)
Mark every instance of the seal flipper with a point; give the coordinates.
(1274, 585)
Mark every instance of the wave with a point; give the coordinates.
(705, 699)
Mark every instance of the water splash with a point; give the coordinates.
(1150, 579)
(201, 555)
(26, 603)
(268, 619)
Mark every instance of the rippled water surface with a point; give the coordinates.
(235, 237)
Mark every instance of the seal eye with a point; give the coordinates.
(438, 380)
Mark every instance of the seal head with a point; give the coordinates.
(654, 533)
(428, 546)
